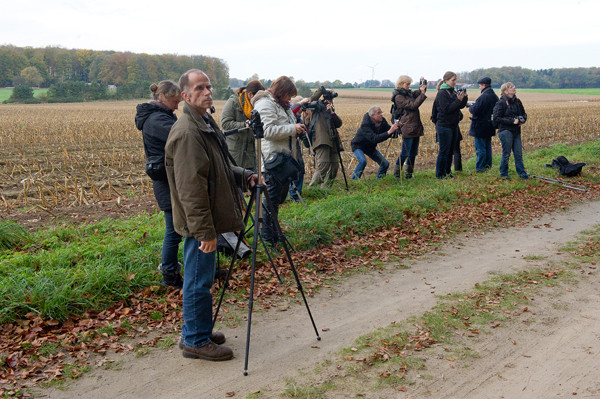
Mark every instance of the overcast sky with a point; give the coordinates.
(322, 40)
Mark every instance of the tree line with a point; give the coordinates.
(553, 78)
(129, 75)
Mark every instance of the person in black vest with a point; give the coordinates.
(155, 119)
(446, 115)
(509, 114)
(481, 124)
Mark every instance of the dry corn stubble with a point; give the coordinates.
(73, 154)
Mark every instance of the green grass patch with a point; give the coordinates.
(5, 93)
(70, 269)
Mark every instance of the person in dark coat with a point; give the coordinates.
(446, 115)
(481, 124)
(509, 114)
(408, 102)
(155, 119)
(373, 130)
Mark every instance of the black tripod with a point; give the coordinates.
(255, 200)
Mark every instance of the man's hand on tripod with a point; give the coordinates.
(208, 246)
(253, 180)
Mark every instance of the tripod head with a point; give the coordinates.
(256, 124)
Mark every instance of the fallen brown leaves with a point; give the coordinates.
(26, 361)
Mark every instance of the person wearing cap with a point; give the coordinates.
(482, 128)
(324, 145)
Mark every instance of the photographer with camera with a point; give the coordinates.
(373, 130)
(482, 128)
(278, 147)
(236, 115)
(407, 103)
(155, 119)
(322, 121)
(205, 203)
(509, 115)
(446, 115)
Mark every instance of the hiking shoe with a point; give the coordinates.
(217, 337)
(210, 351)
(524, 177)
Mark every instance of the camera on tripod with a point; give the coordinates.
(255, 123)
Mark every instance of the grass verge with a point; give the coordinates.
(70, 269)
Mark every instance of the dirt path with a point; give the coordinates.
(563, 359)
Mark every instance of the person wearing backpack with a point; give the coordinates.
(509, 114)
(407, 105)
(482, 128)
(446, 115)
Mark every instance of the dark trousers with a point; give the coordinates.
(277, 193)
(447, 138)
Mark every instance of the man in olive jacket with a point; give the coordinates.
(205, 203)
(323, 143)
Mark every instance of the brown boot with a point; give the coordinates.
(210, 351)
(217, 337)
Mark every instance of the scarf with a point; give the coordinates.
(245, 104)
(445, 86)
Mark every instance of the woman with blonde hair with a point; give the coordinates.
(446, 115)
(155, 119)
(408, 102)
(509, 115)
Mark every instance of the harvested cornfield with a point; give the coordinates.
(57, 155)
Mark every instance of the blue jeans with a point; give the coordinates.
(447, 137)
(170, 246)
(410, 149)
(483, 149)
(198, 278)
(362, 163)
(511, 142)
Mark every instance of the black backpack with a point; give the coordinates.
(566, 168)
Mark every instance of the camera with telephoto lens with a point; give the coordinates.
(521, 119)
(423, 82)
(328, 95)
(317, 106)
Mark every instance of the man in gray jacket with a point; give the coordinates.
(205, 203)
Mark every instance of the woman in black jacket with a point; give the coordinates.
(509, 115)
(446, 115)
(155, 119)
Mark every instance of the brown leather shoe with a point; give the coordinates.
(210, 351)
(217, 337)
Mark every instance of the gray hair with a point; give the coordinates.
(372, 110)
(184, 80)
